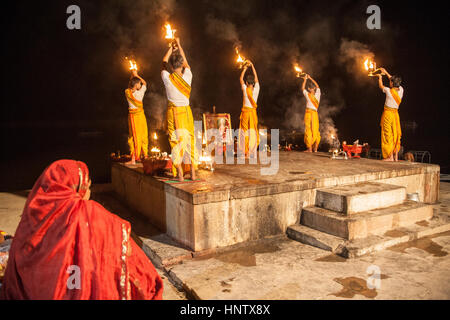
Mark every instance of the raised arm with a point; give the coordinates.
(241, 79)
(380, 81)
(186, 64)
(167, 56)
(135, 74)
(313, 81)
(254, 72)
(385, 72)
(304, 83)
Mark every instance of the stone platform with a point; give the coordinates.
(235, 203)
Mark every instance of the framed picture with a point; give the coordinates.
(220, 121)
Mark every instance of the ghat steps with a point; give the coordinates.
(352, 220)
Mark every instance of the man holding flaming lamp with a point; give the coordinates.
(312, 95)
(390, 121)
(248, 126)
(177, 78)
(137, 123)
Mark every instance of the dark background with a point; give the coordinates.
(62, 90)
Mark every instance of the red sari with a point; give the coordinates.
(69, 248)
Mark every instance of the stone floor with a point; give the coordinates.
(281, 268)
(234, 179)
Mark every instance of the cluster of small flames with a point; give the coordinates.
(170, 33)
(155, 149)
(241, 60)
(133, 64)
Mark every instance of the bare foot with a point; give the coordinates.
(308, 150)
(388, 159)
(193, 177)
(180, 173)
(132, 161)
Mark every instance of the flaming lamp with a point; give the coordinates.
(170, 35)
(299, 71)
(241, 60)
(371, 68)
(155, 152)
(133, 64)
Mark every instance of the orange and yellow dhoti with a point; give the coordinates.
(180, 125)
(391, 132)
(312, 134)
(137, 128)
(248, 127)
(248, 131)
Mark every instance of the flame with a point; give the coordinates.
(170, 33)
(332, 136)
(239, 59)
(204, 139)
(133, 65)
(369, 65)
(155, 136)
(155, 149)
(298, 69)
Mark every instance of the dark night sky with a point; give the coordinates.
(58, 83)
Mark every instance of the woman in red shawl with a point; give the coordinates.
(69, 247)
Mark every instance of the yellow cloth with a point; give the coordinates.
(248, 131)
(180, 84)
(138, 134)
(313, 100)
(180, 124)
(138, 104)
(312, 134)
(249, 92)
(396, 97)
(391, 132)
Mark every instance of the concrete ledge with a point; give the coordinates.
(360, 197)
(366, 223)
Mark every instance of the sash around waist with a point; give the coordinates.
(390, 109)
(135, 111)
(171, 105)
(247, 109)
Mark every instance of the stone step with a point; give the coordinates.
(315, 238)
(360, 197)
(440, 223)
(366, 223)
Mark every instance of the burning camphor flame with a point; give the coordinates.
(170, 33)
(298, 70)
(133, 64)
(369, 65)
(240, 59)
(155, 137)
(155, 149)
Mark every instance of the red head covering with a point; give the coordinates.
(69, 248)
